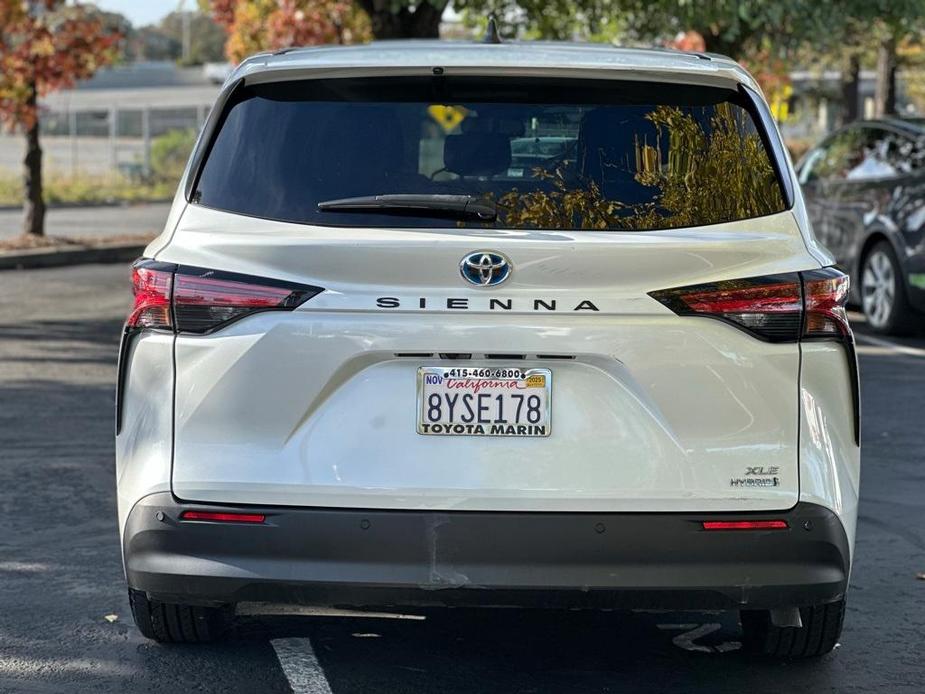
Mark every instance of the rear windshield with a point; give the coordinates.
(547, 154)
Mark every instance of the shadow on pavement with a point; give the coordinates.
(495, 651)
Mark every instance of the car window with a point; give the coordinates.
(879, 156)
(838, 156)
(551, 154)
(906, 153)
(810, 166)
(863, 154)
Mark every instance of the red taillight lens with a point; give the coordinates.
(202, 303)
(770, 307)
(779, 308)
(152, 289)
(746, 525)
(222, 517)
(826, 292)
(194, 300)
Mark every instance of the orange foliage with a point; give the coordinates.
(690, 41)
(259, 25)
(46, 51)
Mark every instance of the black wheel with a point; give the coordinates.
(174, 623)
(883, 292)
(821, 629)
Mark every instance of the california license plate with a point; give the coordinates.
(492, 401)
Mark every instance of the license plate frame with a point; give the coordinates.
(541, 387)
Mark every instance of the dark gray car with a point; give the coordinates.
(864, 187)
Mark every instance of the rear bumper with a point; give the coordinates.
(362, 558)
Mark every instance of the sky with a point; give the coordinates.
(141, 12)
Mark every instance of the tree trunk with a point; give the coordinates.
(886, 77)
(34, 203)
(850, 89)
(421, 23)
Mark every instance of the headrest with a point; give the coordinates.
(477, 154)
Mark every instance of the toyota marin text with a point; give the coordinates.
(438, 325)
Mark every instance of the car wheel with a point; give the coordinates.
(175, 623)
(822, 625)
(883, 295)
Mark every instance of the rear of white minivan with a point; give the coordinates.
(449, 339)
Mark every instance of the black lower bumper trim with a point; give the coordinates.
(375, 558)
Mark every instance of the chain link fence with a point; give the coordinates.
(119, 141)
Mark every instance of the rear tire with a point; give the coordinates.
(176, 623)
(883, 292)
(822, 625)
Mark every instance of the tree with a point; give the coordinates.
(547, 19)
(206, 37)
(735, 27)
(325, 21)
(727, 26)
(885, 94)
(847, 29)
(48, 48)
(259, 25)
(394, 19)
(896, 21)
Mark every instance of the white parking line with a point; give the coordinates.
(301, 666)
(881, 342)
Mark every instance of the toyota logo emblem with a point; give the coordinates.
(485, 268)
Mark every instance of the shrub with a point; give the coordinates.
(169, 153)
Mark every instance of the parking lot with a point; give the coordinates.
(65, 623)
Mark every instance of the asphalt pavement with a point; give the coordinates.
(65, 624)
(112, 220)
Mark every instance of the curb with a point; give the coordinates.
(59, 257)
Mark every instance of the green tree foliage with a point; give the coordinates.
(734, 27)
(207, 38)
(546, 19)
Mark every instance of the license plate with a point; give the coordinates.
(505, 401)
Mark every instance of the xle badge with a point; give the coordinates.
(757, 476)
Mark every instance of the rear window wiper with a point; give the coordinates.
(457, 206)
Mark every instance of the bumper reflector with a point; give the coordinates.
(222, 517)
(746, 525)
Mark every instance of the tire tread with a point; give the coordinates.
(176, 623)
(822, 626)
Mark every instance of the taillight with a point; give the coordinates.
(825, 293)
(152, 288)
(194, 300)
(770, 307)
(777, 308)
(204, 300)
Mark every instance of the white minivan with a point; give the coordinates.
(535, 325)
